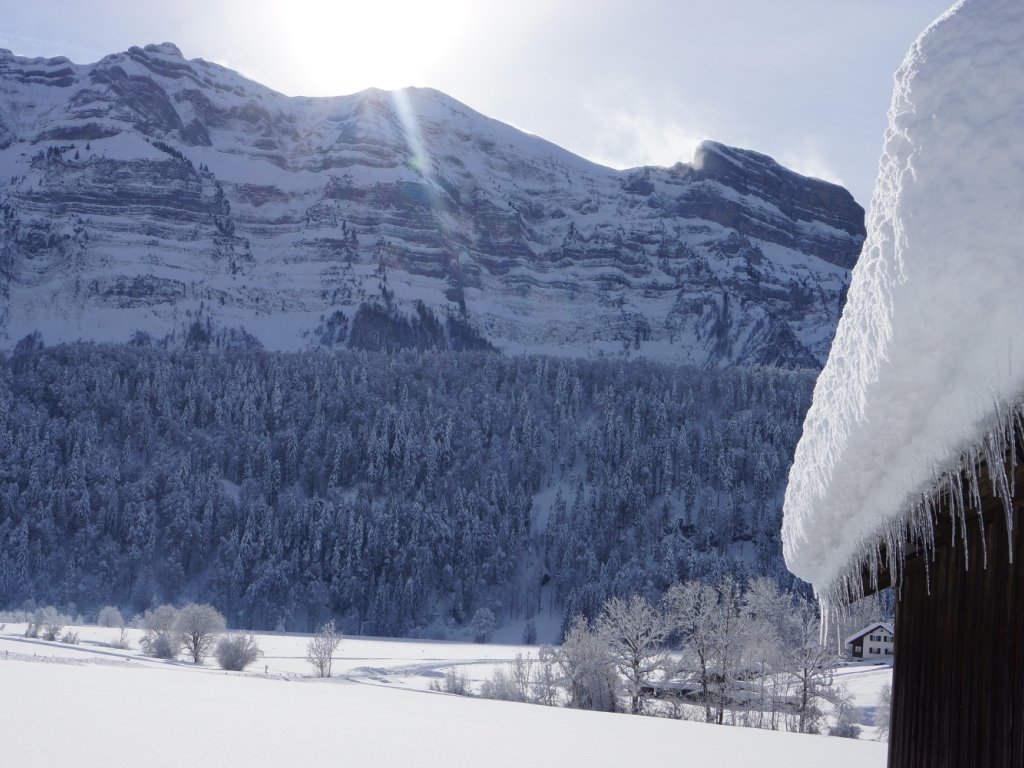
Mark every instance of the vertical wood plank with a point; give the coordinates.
(958, 676)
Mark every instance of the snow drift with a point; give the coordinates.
(927, 367)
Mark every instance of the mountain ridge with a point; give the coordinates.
(147, 192)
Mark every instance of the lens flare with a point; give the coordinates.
(420, 162)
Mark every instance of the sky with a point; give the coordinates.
(621, 82)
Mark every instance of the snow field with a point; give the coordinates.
(96, 705)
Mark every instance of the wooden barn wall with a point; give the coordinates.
(958, 677)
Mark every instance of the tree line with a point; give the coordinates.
(398, 494)
(728, 653)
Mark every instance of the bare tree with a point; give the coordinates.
(767, 608)
(197, 627)
(634, 632)
(161, 638)
(237, 652)
(321, 647)
(809, 663)
(690, 609)
(545, 684)
(110, 616)
(733, 634)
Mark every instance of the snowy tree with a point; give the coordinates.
(109, 616)
(634, 632)
(321, 647)
(197, 627)
(767, 608)
(530, 633)
(733, 634)
(691, 609)
(482, 625)
(47, 623)
(545, 682)
(161, 638)
(845, 725)
(883, 712)
(809, 663)
(236, 652)
(589, 673)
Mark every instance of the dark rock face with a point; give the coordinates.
(160, 190)
(799, 202)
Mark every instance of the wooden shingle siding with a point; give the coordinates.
(958, 677)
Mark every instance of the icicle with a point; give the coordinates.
(994, 458)
(823, 607)
(958, 492)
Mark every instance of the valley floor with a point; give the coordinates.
(94, 705)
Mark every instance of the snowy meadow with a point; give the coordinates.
(96, 703)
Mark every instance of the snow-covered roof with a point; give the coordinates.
(868, 629)
(927, 368)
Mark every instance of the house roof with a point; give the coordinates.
(926, 372)
(869, 629)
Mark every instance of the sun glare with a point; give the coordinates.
(337, 48)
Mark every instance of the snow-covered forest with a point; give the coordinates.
(397, 493)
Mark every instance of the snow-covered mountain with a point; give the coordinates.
(147, 192)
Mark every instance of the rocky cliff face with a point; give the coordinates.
(150, 193)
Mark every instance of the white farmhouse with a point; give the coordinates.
(875, 641)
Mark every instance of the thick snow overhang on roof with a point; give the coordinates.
(926, 373)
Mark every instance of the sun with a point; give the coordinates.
(343, 47)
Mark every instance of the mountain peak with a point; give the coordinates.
(166, 49)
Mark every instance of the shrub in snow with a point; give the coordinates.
(236, 652)
(846, 715)
(109, 616)
(161, 639)
(454, 681)
(500, 687)
(321, 647)
(512, 682)
(69, 637)
(197, 627)
(122, 639)
(46, 623)
(545, 683)
(482, 625)
(883, 712)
